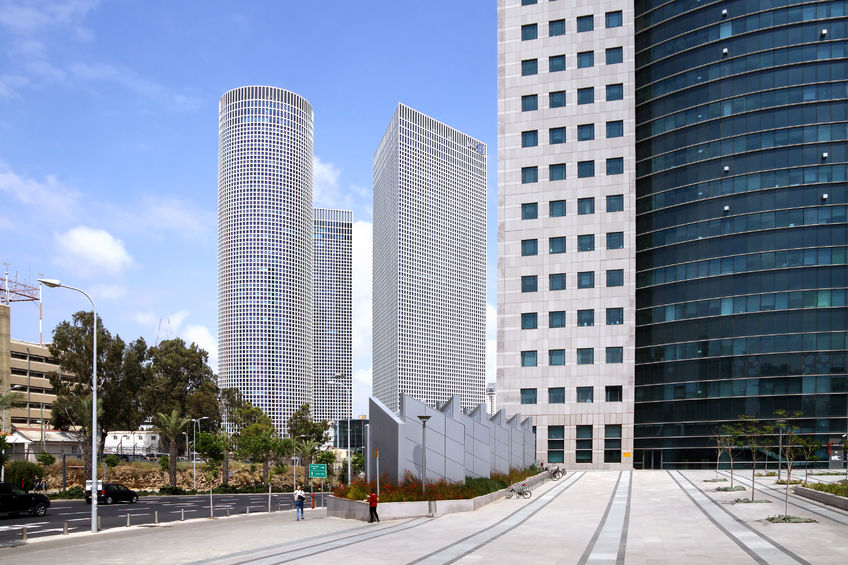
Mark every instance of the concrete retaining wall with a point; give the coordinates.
(358, 510)
(824, 497)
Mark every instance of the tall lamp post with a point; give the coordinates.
(3, 467)
(339, 383)
(336, 382)
(780, 425)
(53, 283)
(424, 452)
(195, 422)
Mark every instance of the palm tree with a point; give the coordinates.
(306, 448)
(171, 425)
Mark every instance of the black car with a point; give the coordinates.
(111, 493)
(15, 500)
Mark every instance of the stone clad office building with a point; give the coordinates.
(723, 127)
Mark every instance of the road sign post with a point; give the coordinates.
(317, 471)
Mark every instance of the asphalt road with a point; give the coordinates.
(77, 514)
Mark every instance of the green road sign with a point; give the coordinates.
(318, 471)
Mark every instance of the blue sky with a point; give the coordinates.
(108, 139)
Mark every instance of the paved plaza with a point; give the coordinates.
(656, 517)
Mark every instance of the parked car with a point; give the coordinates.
(14, 500)
(110, 493)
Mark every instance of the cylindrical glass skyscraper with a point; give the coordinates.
(741, 220)
(265, 249)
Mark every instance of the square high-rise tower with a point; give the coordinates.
(566, 226)
(332, 314)
(429, 288)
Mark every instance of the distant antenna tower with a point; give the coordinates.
(167, 329)
(17, 291)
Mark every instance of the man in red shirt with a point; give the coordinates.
(372, 504)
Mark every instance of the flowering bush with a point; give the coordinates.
(409, 488)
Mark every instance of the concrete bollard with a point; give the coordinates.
(99, 524)
(156, 517)
(65, 529)
(182, 514)
(228, 511)
(128, 519)
(23, 534)
(248, 510)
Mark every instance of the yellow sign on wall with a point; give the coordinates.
(627, 454)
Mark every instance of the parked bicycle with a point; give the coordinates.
(555, 473)
(520, 490)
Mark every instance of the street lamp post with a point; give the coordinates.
(780, 425)
(3, 467)
(53, 283)
(195, 422)
(424, 452)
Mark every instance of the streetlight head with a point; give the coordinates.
(52, 283)
(424, 419)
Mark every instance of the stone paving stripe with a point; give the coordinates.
(809, 505)
(469, 544)
(607, 545)
(762, 549)
(322, 544)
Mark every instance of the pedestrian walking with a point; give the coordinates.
(372, 506)
(299, 499)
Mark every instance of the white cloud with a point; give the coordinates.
(50, 195)
(25, 17)
(144, 318)
(172, 324)
(108, 291)
(158, 216)
(90, 251)
(362, 237)
(491, 343)
(205, 340)
(361, 391)
(325, 181)
(132, 81)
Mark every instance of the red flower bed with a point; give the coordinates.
(409, 488)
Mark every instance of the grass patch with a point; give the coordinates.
(71, 493)
(730, 489)
(783, 519)
(769, 474)
(792, 482)
(749, 501)
(715, 480)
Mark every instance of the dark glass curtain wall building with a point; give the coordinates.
(740, 220)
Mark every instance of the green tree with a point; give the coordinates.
(122, 371)
(791, 450)
(171, 426)
(809, 446)
(301, 426)
(215, 448)
(45, 459)
(257, 442)
(67, 409)
(182, 381)
(754, 433)
(726, 440)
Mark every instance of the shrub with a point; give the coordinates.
(164, 463)
(45, 459)
(112, 460)
(409, 488)
(839, 489)
(23, 473)
(168, 489)
(73, 492)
